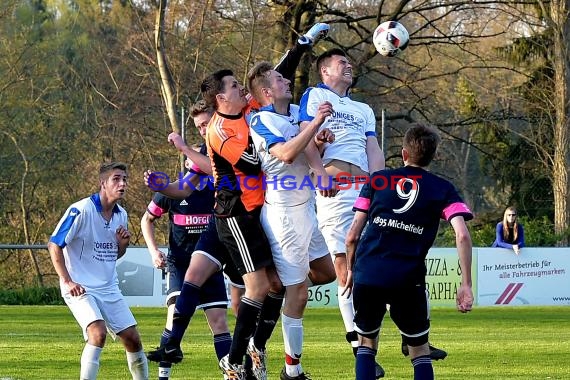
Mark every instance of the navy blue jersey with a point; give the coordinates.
(404, 207)
(188, 217)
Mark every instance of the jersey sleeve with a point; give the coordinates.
(267, 135)
(159, 205)
(362, 203)
(224, 142)
(289, 62)
(308, 105)
(455, 206)
(68, 226)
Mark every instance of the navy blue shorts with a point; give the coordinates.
(212, 294)
(409, 309)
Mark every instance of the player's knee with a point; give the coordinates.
(97, 333)
(217, 320)
(131, 339)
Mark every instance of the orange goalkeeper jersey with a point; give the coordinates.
(229, 143)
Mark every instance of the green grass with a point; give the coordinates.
(44, 342)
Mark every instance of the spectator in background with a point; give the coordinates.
(510, 234)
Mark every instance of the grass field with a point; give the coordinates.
(44, 342)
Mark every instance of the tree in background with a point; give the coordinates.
(81, 83)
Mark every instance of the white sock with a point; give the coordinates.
(293, 341)
(347, 311)
(138, 365)
(90, 362)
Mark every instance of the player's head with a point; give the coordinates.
(201, 114)
(113, 179)
(420, 145)
(267, 85)
(334, 67)
(222, 90)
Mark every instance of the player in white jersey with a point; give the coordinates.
(349, 159)
(84, 249)
(354, 154)
(288, 215)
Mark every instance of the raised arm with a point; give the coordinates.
(289, 62)
(179, 189)
(200, 162)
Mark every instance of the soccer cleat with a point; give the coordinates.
(258, 358)
(169, 352)
(302, 376)
(434, 352)
(231, 371)
(379, 371)
(315, 34)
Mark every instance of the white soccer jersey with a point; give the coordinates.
(286, 184)
(351, 122)
(89, 244)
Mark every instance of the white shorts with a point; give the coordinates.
(294, 238)
(335, 217)
(110, 307)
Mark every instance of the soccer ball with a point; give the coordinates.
(390, 38)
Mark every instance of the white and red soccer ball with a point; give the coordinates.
(390, 38)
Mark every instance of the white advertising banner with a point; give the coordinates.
(537, 276)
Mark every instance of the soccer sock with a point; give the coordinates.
(423, 370)
(365, 363)
(268, 317)
(222, 344)
(346, 311)
(245, 325)
(164, 369)
(138, 365)
(293, 341)
(90, 362)
(184, 309)
(166, 333)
